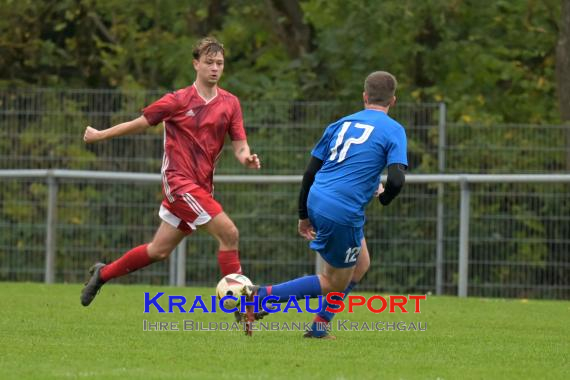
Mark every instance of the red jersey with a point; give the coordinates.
(194, 134)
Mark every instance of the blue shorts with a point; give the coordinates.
(338, 245)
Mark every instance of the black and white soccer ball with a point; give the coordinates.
(232, 285)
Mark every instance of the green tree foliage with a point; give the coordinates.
(490, 61)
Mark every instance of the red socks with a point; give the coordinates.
(134, 259)
(229, 262)
(138, 258)
(320, 319)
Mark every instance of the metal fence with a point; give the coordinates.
(43, 128)
(519, 232)
(63, 221)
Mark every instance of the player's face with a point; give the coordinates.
(209, 68)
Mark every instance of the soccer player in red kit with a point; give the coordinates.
(196, 120)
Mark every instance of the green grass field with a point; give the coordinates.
(46, 334)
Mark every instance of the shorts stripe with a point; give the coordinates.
(194, 204)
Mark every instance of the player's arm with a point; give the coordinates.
(244, 156)
(304, 227)
(308, 178)
(313, 167)
(394, 183)
(137, 125)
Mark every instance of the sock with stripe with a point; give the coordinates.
(299, 287)
(324, 317)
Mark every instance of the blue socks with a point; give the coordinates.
(299, 287)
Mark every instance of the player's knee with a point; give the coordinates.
(338, 286)
(332, 284)
(362, 267)
(157, 253)
(230, 237)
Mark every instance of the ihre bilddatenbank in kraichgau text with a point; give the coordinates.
(338, 325)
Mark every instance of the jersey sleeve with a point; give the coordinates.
(398, 148)
(321, 150)
(236, 130)
(162, 109)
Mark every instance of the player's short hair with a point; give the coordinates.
(380, 86)
(207, 46)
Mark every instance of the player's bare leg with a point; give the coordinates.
(362, 263)
(226, 233)
(335, 279)
(164, 242)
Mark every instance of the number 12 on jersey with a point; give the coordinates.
(367, 130)
(352, 255)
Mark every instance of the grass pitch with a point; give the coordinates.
(46, 334)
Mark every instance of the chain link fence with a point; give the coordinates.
(43, 128)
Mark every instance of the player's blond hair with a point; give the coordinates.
(380, 86)
(207, 46)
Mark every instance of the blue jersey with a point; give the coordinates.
(354, 150)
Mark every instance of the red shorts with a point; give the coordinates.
(190, 209)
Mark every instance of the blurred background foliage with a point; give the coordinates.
(489, 60)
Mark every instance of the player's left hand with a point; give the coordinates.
(379, 191)
(306, 230)
(91, 135)
(252, 162)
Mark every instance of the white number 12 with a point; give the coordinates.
(352, 255)
(365, 135)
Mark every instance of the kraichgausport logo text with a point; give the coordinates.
(211, 304)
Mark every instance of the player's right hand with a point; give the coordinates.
(306, 229)
(379, 191)
(91, 135)
(253, 162)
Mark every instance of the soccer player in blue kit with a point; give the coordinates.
(341, 178)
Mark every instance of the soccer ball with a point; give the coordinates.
(232, 285)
